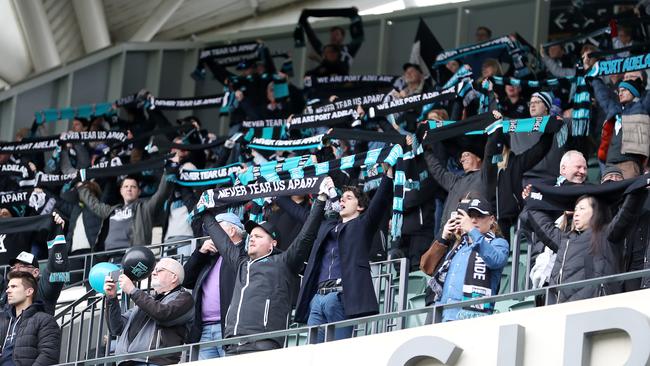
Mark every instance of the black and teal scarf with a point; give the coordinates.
(29, 145)
(619, 65)
(414, 101)
(206, 177)
(84, 111)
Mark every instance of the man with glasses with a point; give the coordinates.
(155, 321)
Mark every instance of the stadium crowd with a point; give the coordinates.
(441, 165)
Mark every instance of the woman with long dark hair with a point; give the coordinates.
(592, 248)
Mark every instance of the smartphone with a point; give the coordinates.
(453, 215)
(115, 275)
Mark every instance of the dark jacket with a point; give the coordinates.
(47, 295)
(503, 186)
(261, 299)
(168, 318)
(143, 215)
(38, 337)
(575, 260)
(354, 240)
(196, 270)
(70, 207)
(457, 186)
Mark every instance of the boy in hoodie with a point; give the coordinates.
(29, 335)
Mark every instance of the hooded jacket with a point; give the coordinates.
(37, 336)
(575, 260)
(168, 318)
(632, 131)
(261, 299)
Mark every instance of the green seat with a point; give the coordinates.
(416, 302)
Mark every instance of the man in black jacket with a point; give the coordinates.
(262, 295)
(29, 335)
(337, 284)
(213, 281)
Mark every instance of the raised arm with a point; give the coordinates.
(626, 215)
(380, 203)
(315, 43)
(605, 97)
(298, 251)
(296, 211)
(545, 229)
(557, 70)
(230, 252)
(155, 202)
(494, 253)
(439, 172)
(174, 312)
(99, 208)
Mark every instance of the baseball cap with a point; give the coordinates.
(264, 225)
(409, 64)
(479, 205)
(26, 258)
(231, 218)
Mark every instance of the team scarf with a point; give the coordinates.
(591, 37)
(443, 130)
(84, 111)
(193, 147)
(10, 227)
(214, 198)
(207, 177)
(474, 286)
(202, 102)
(356, 25)
(517, 49)
(16, 169)
(323, 119)
(366, 82)
(15, 198)
(116, 171)
(54, 180)
(581, 113)
(415, 101)
(275, 122)
(463, 73)
(349, 103)
(270, 133)
(308, 143)
(91, 136)
(230, 55)
(546, 197)
(57, 256)
(619, 65)
(532, 84)
(29, 145)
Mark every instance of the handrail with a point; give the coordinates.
(192, 348)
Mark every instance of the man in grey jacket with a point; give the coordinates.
(262, 295)
(130, 223)
(155, 321)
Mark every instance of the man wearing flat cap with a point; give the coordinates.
(213, 281)
(155, 321)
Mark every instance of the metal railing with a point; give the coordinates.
(85, 335)
(190, 351)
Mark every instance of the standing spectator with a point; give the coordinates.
(475, 258)
(513, 106)
(592, 248)
(262, 294)
(129, 223)
(629, 146)
(30, 335)
(337, 284)
(155, 321)
(213, 281)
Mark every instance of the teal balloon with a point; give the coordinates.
(98, 273)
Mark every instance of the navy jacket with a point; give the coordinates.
(355, 240)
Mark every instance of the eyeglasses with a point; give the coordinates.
(158, 270)
(535, 102)
(19, 266)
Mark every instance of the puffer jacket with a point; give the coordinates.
(632, 130)
(38, 337)
(262, 297)
(168, 319)
(575, 260)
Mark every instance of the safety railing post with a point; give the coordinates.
(514, 276)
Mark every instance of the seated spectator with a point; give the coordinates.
(30, 335)
(155, 321)
(474, 243)
(262, 298)
(212, 280)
